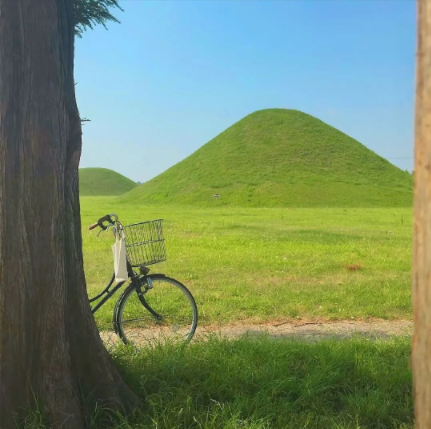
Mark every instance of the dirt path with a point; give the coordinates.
(315, 330)
(305, 330)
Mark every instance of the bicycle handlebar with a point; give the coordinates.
(107, 218)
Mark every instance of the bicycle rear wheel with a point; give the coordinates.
(161, 310)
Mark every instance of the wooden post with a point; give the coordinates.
(421, 354)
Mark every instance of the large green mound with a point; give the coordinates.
(102, 181)
(282, 158)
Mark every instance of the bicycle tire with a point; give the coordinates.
(136, 318)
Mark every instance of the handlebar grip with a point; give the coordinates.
(106, 218)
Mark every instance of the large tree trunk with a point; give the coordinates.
(49, 344)
(421, 358)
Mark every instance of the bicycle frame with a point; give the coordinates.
(109, 293)
(106, 292)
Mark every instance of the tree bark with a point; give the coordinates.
(421, 354)
(50, 349)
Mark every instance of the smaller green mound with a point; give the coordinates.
(102, 181)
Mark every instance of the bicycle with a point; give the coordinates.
(153, 306)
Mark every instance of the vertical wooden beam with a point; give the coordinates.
(421, 354)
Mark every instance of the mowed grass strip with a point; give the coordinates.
(258, 265)
(263, 383)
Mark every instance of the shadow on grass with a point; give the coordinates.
(261, 383)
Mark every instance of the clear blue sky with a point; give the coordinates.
(174, 74)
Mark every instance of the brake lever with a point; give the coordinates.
(105, 230)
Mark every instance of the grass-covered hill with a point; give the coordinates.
(102, 181)
(284, 158)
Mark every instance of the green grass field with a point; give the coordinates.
(266, 384)
(262, 384)
(280, 158)
(257, 265)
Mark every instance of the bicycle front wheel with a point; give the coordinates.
(160, 310)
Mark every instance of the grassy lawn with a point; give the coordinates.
(273, 384)
(265, 384)
(257, 265)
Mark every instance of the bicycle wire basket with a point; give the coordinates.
(145, 243)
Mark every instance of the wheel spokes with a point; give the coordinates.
(165, 313)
